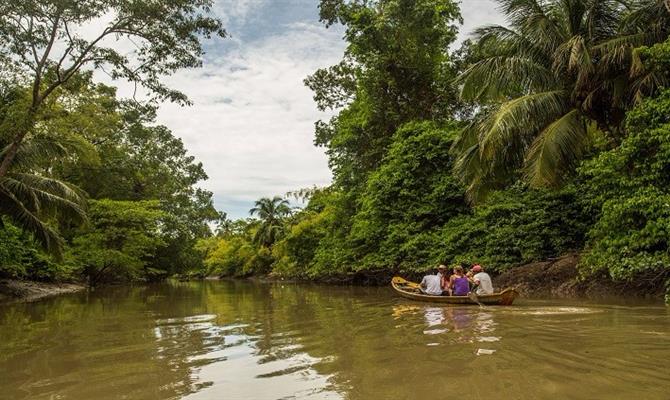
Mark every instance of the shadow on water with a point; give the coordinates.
(240, 340)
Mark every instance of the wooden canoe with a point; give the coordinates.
(411, 290)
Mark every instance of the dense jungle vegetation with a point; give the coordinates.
(547, 136)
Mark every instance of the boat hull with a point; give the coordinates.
(410, 290)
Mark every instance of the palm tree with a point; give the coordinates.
(271, 213)
(36, 202)
(561, 70)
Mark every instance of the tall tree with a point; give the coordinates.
(560, 69)
(43, 45)
(271, 213)
(395, 69)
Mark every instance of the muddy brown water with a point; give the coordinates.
(241, 340)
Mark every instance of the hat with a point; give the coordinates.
(476, 268)
(442, 266)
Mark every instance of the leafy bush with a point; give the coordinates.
(630, 188)
(22, 258)
(410, 196)
(296, 253)
(236, 256)
(122, 239)
(516, 226)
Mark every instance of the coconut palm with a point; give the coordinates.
(562, 69)
(271, 213)
(33, 200)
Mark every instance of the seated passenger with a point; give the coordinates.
(444, 275)
(482, 280)
(431, 285)
(459, 283)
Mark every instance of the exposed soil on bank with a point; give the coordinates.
(13, 290)
(560, 278)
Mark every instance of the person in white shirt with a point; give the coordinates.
(482, 280)
(432, 284)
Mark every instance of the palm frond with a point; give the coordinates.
(510, 129)
(647, 84)
(500, 40)
(617, 50)
(30, 200)
(16, 210)
(496, 77)
(47, 197)
(556, 149)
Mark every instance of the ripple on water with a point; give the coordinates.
(193, 319)
(554, 311)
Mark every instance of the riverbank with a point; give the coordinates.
(555, 278)
(560, 278)
(14, 290)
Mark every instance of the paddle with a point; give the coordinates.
(473, 296)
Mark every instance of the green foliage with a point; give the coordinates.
(395, 69)
(30, 196)
(516, 226)
(235, 256)
(628, 186)
(142, 161)
(122, 239)
(408, 197)
(304, 251)
(50, 110)
(559, 68)
(20, 258)
(39, 40)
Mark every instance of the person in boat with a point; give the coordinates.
(443, 273)
(431, 284)
(459, 283)
(481, 280)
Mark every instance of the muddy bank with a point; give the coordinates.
(13, 290)
(560, 278)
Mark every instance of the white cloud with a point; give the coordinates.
(252, 120)
(478, 13)
(236, 10)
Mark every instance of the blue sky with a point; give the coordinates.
(252, 120)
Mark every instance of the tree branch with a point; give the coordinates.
(45, 56)
(67, 51)
(32, 42)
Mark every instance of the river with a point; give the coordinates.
(243, 340)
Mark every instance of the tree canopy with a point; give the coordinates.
(559, 71)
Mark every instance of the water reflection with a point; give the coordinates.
(234, 340)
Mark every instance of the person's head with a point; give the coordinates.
(477, 268)
(458, 270)
(442, 269)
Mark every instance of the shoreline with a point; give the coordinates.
(557, 278)
(12, 290)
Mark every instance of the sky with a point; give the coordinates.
(252, 119)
